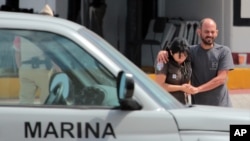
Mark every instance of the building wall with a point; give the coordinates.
(240, 37)
(237, 38)
(37, 5)
(115, 23)
(2, 2)
(198, 9)
(61, 7)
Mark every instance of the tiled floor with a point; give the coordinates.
(240, 98)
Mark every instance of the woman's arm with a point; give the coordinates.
(160, 79)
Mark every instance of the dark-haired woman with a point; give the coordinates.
(174, 76)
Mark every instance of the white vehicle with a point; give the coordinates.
(96, 94)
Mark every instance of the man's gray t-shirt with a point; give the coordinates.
(205, 65)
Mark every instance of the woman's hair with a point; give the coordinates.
(179, 45)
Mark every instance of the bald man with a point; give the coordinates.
(211, 63)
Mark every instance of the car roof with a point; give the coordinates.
(28, 17)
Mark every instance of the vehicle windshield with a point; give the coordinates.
(87, 73)
(154, 90)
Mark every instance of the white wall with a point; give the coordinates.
(240, 38)
(38, 5)
(2, 2)
(227, 23)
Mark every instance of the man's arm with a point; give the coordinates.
(220, 79)
(162, 56)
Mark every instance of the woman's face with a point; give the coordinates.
(179, 57)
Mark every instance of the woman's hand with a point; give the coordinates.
(189, 89)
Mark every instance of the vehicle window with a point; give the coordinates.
(7, 68)
(30, 60)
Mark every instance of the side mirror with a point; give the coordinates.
(125, 91)
(59, 90)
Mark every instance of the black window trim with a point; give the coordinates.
(237, 20)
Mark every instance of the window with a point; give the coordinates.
(238, 20)
(29, 59)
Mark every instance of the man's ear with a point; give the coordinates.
(198, 31)
(217, 32)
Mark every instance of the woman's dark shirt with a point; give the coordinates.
(177, 75)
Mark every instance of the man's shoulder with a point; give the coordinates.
(221, 47)
(194, 47)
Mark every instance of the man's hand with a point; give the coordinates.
(162, 56)
(189, 89)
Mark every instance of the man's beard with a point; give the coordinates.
(208, 40)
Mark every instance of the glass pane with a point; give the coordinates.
(30, 59)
